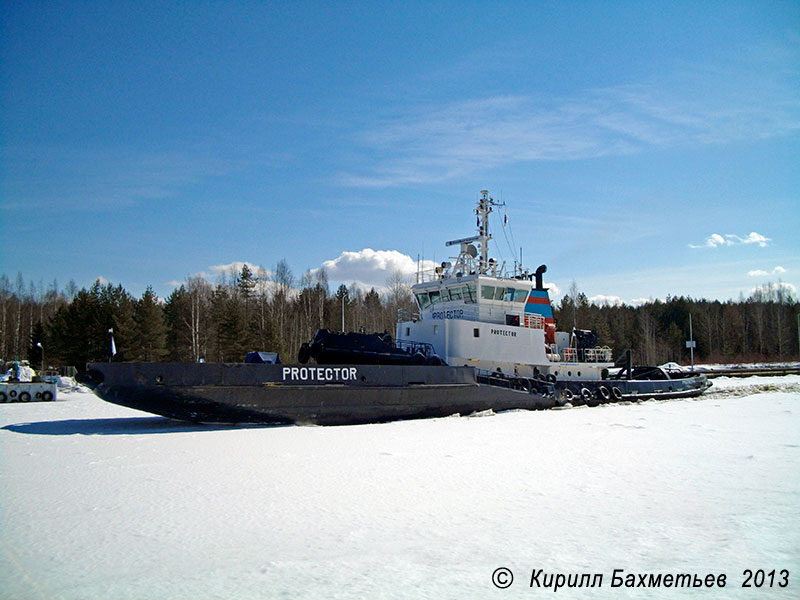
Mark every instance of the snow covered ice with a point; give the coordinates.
(99, 501)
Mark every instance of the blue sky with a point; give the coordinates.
(643, 149)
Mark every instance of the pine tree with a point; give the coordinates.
(151, 332)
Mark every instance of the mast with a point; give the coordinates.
(484, 208)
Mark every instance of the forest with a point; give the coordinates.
(246, 311)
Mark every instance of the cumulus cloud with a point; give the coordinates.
(552, 288)
(762, 273)
(603, 300)
(775, 290)
(369, 268)
(715, 240)
(234, 268)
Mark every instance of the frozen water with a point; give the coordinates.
(99, 501)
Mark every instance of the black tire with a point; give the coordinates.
(304, 354)
(616, 393)
(603, 394)
(588, 397)
(47, 396)
(3, 397)
(24, 397)
(12, 394)
(567, 395)
(551, 378)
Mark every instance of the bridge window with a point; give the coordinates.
(509, 295)
(435, 297)
(520, 295)
(487, 292)
(424, 301)
(469, 293)
(455, 293)
(499, 293)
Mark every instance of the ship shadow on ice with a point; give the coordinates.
(125, 426)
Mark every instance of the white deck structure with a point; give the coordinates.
(475, 314)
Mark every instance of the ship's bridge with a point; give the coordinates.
(487, 299)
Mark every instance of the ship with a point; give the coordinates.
(311, 394)
(475, 312)
(480, 339)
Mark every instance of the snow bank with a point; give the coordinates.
(99, 501)
(26, 373)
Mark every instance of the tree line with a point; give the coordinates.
(199, 320)
(246, 311)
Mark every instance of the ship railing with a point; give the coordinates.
(404, 314)
(411, 347)
(597, 354)
(534, 321)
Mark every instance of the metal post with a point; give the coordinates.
(691, 341)
(42, 347)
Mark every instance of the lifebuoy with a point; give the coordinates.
(47, 396)
(616, 393)
(603, 393)
(24, 397)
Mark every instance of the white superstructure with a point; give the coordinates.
(475, 314)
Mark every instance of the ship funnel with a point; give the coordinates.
(539, 272)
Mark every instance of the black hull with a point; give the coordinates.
(263, 393)
(632, 389)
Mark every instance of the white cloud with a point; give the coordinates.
(762, 273)
(716, 240)
(439, 142)
(640, 301)
(369, 268)
(552, 289)
(771, 290)
(753, 238)
(602, 300)
(712, 241)
(234, 268)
